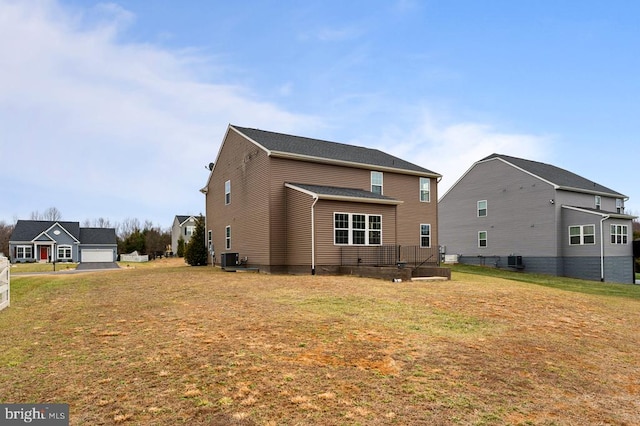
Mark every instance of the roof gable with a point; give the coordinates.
(560, 178)
(303, 148)
(30, 230)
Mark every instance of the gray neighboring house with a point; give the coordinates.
(511, 212)
(183, 226)
(46, 241)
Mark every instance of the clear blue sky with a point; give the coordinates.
(114, 109)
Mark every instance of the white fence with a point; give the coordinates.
(134, 257)
(5, 292)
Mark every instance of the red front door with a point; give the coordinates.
(44, 253)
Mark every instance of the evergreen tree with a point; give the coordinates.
(180, 251)
(196, 250)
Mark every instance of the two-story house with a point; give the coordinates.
(285, 203)
(182, 227)
(511, 212)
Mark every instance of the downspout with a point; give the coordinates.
(313, 236)
(602, 247)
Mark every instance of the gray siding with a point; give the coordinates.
(520, 218)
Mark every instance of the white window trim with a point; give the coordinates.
(381, 184)
(428, 190)
(227, 237)
(582, 235)
(227, 192)
(24, 249)
(624, 234)
(486, 208)
(65, 247)
(350, 229)
(486, 238)
(598, 202)
(427, 235)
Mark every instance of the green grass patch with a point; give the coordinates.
(41, 267)
(562, 283)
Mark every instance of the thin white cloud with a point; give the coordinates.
(451, 148)
(99, 118)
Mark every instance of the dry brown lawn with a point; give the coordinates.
(170, 344)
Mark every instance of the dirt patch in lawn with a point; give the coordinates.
(181, 345)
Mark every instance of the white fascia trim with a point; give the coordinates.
(46, 232)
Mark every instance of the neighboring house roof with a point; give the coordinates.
(183, 218)
(303, 148)
(342, 194)
(100, 236)
(560, 178)
(28, 230)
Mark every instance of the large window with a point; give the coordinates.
(425, 235)
(227, 238)
(425, 187)
(619, 234)
(357, 229)
(227, 192)
(482, 239)
(64, 252)
(582, 235)
(24, 252)
(376, 182)
(482, 208)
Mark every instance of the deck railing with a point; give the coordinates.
(389, 255)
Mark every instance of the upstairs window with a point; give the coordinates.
(210, 240)
(425, 188)
(425, 235)
(376, 182)
(227, 192)
(188, 230)
(482, 208)
(582, 235)
(619, 234)
(619, 206)
(598, 202)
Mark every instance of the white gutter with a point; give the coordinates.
(602, 247)
(313, 236)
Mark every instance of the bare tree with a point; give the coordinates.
(100, 222)
(5, 235)
(51, 213)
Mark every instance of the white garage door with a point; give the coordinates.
(96, 255)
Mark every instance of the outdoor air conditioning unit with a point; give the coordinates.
(515, 262)
(229, 259)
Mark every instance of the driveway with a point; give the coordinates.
(91, 266)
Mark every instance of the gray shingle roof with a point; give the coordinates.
(27, 230)
(342, 192)
(182, 218)
(98, 236)
(317, 148)
(555, 175)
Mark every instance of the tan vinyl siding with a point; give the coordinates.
(299, 231)
(327, 253)
(246, 166)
